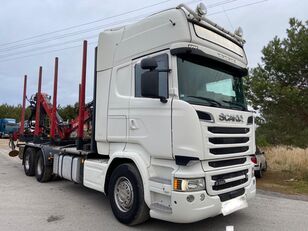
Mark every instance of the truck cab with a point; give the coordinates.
(169, 97)
(7, 127)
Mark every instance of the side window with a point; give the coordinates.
(162, 61)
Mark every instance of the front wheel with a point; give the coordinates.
(126, 195)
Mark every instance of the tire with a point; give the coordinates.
(265, 167)
(258, 173)
(133, 210)
(29, 161)
(43, 173)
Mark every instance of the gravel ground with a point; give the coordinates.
(61, 205)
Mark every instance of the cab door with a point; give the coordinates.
(149, 124)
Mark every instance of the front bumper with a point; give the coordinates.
(187, 212)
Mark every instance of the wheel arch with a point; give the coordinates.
(112, 166)
(47, 151)
(141, 166)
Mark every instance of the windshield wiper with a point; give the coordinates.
(211, 101)
(236, 104)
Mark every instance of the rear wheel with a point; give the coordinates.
(43, 172)
(126, 195)
(29, 165)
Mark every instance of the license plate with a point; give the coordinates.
(234, 205)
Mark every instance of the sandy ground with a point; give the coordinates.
(26, 204)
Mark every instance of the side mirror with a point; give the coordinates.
(154, 82)
(149, 64)
(150, 86)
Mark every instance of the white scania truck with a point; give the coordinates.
(172, 136)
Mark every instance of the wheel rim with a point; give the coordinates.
(39, 166)
(123, 194)
(27, 162)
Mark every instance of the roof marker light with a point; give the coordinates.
(239, 31)
(201, 9)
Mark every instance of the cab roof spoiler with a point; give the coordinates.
(199, 18)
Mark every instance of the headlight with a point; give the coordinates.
(188, 185)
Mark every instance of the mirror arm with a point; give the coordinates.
(163, 70)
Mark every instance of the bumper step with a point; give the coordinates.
(161, 208)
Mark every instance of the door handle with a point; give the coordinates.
(133, 124)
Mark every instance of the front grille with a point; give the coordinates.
(220, 138)
(230, 195)
(228, 130)
(224, 163)
(228, 140)
(230, 175)
(229, 180)
(230, 184)
(224, 181)
(223, 151)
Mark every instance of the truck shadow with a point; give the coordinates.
(215, 223)
(98, 201)
(92, 202)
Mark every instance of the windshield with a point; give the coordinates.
(209, 83)
(12, 125)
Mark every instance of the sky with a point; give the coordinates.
(34, 32)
